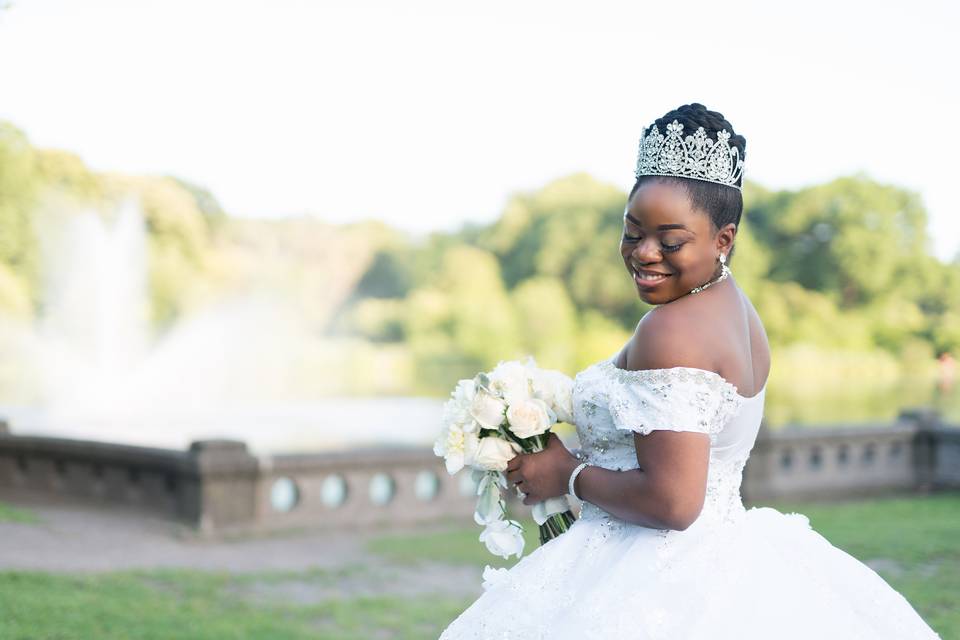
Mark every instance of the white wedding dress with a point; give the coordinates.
(734, 574)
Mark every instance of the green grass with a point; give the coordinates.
(917, 537)
(199, 605)
(460, 544)
(11, 514)
(910, 529)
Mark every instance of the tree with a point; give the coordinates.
(850, 237)
(19, 184)
(548, 321)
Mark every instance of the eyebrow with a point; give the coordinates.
(659, 228)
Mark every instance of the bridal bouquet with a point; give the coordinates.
(490, 419)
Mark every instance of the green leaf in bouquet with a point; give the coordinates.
(482, 381)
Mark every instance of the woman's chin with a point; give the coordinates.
(657, 295)
(651, 297)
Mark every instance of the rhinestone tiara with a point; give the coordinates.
(695, 156)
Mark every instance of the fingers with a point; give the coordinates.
(513, 463)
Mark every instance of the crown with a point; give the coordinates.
(695, 156)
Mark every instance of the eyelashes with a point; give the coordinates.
(668, 248)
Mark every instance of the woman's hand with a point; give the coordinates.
(543, 474)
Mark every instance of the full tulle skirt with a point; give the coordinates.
(759, 575)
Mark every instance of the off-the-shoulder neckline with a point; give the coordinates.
(639, 373)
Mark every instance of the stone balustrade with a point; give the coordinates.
(219, 485)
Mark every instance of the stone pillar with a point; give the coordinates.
(222, 485)
(925, 421)
(946, 469)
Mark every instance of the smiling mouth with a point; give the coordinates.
(647, 278)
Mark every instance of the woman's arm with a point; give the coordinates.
(669, 488)
(666, 492)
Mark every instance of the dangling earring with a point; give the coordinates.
(724, 269)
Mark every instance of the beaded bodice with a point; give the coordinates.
(610, 404)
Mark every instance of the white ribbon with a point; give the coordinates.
(549, 507)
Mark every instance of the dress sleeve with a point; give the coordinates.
(678, 399)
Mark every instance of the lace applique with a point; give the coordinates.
(675, 398)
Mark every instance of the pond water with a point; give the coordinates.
(345, 423)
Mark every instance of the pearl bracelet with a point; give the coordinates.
(573, 476)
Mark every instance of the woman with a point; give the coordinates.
(664, 548)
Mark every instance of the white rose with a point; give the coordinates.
(487, 410)
(493, 577)
(457, 447)
(530, 417)
(512, 380)
(503, 538)
(493, 454)
(556, 389)
(456, 410)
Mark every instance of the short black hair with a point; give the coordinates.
(723, 203)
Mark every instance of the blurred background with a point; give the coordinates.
(298, 224)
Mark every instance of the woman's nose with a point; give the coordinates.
(647, 250)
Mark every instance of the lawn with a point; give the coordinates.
(914, 542)
(148, 605)
(11, 514)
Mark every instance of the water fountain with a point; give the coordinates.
(223, 371)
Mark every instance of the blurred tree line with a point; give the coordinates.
(840, 272)
(39, 185)
(196, 253)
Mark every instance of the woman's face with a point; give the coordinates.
(676, 245)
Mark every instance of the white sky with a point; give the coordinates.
(428, 114)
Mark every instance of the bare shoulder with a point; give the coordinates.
(721, 333)
(674, 336)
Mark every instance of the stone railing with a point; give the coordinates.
(220, 485)
(916, 453)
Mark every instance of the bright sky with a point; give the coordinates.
(429, 114)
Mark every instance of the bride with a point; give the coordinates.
(664, 548)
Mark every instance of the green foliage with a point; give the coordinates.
(55, 183)
(841, 266)
(65, 172)
(389, 276)
(19, 185)
(570, 229)
(478, 311)
(548, 321)
(851, 237)
(14, 294)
